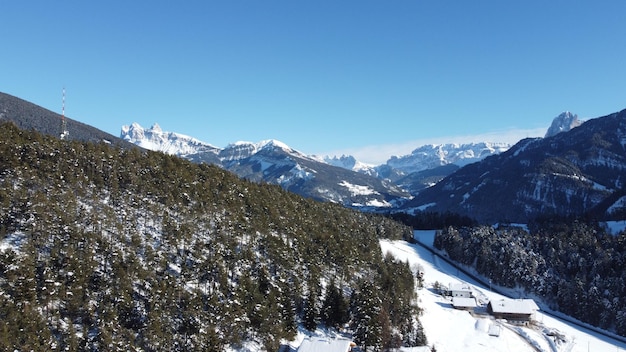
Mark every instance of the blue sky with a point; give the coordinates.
(367, 78)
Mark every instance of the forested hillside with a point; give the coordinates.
(109, 249)
(576, 267)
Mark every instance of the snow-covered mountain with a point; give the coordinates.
(423, 158)
(350, 163)
(435, 155)
(272, 161)
(561, 175)
(154, 138)
(563, 123)
(572, 173)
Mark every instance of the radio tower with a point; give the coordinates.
(64, 132)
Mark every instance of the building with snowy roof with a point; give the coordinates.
(459, 290)
(514, 311)
(464, 303)
(324, 344)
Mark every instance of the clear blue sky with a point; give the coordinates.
(368, 78)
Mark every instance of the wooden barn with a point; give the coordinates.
(464, 303)
(514, 311)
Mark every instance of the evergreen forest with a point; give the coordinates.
(117, 249)
(574, 266)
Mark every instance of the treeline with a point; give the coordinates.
(424, 220)
(122, 249)
(575, 266)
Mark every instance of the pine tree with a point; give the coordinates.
(366, 311)
(335, 307)
(310, 314)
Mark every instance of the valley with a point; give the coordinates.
(449, 329)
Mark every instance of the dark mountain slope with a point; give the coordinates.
(568, 174)
(29, 116)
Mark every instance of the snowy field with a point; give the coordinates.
(449, 329)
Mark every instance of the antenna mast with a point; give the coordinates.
(64, 132)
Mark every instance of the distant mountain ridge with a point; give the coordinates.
(272, 161)
(168, 142)
(563, 174)
(573, 173)
(399, 177)
(434, 155)
(577, 169)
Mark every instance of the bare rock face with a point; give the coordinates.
(563, 123)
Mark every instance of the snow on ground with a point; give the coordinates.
(358, 190)
(449, 329)
(13, 241)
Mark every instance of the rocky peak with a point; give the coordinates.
(563, 123)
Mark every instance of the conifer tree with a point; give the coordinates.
(366, 312)
(310, 314)
(335, 307)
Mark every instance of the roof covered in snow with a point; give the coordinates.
(457, 286)
(324, 345)
(463, 302)
(514, 306)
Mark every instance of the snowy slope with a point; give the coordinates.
(453, 330)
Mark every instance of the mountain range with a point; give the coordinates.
(343, 179)
(489, 182)
(575, 170)
(107, 245)
(574, 173)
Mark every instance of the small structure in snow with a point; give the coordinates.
(319, 344)
(514, 311)
(494, 330)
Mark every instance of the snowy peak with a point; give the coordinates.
(563, 123)
(347, 162)
(241, 150)
(577, 173)
(155, 128)
(271, 161)
(155, 139)
(434, 155)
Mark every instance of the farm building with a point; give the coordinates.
(515, 311)
(459, 290)
(317, 344)
(464, 303)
